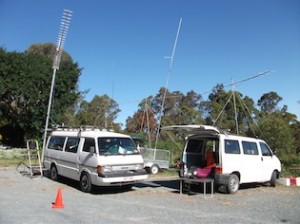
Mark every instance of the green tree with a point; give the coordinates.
(277, 132)
(143, 121)
(25, 86)
(269, 101)
(296, 133)
(177, 107)
(101, 112)
(47, 50)
(229, 110)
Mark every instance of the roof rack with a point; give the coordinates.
(82, 128)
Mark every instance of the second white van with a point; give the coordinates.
(230, 159)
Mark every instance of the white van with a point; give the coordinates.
(237, 159)
(93, 157)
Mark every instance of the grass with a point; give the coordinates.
(167, 173)
(10, 162)
(12, 157)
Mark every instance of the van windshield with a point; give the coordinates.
(116, 146)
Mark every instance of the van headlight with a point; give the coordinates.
(107, 169)
(104, 169)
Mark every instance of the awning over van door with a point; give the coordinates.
(188, 130)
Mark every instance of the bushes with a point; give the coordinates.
(15, 153)
(12, 156)
(288, 164)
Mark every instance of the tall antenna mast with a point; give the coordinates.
(235, 112)
(167, 82)
(64, 27)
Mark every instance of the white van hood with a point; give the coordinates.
(192, 129)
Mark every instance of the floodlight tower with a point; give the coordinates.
(64, 27)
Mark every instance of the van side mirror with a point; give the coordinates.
(92, 149)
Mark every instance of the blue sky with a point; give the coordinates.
(121, 45)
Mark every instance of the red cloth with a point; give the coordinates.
(210, 163)
(210, 159)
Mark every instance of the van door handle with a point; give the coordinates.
(262, 159)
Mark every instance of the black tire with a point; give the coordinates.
(85, 183)
(154, 169)
(53, 173)
(233, 184)
(273, 179)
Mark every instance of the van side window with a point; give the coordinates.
(232, 147)
(72, 144)
(88, 143)
(265, 150)
(194, 145)
(250, 148)
(56, 143)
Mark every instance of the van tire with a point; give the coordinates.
(273, 179)
(233, 184)
(85, 183)
(53, 173)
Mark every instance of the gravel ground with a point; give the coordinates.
(29, 200)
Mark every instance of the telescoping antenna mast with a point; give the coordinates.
(167, 82)
(64, 27)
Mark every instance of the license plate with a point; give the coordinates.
(128, 178)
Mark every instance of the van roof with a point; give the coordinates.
(92, 133)
(192, 129)
(203, 130)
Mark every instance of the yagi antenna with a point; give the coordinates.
(241, 81)
(64, 27)
(168, 78)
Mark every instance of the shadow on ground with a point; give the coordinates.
(171, 184)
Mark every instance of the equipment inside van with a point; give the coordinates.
(230, 160)
(93, 157)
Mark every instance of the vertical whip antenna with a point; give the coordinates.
(167, 82)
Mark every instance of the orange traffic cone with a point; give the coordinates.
(58, 202)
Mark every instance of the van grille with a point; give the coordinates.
(124, 167)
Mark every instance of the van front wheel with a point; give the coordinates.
(233, 184)
(85, 183)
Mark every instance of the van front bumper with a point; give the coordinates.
(119, 178)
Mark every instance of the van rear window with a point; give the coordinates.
(232, 147)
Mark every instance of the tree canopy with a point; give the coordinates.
(100, 112)
(25, 86)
